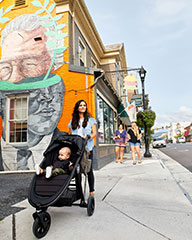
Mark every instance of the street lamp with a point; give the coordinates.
(142, 74)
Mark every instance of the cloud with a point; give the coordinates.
(168, 37)
(167, 22)
(170, 7)
(169, 12)
(184, 114)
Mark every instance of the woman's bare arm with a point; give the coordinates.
(94, 131)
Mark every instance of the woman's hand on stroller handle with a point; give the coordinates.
(88, 137)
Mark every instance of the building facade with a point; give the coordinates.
(56, 59)
(176, 129)
(188, 133)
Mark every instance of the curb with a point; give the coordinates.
(17, 172)
(181, 175)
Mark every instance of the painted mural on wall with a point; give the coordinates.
(31, 94)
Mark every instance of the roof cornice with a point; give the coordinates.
(80, 12)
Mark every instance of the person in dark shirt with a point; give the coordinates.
(120, 138)
(61, 166)
(134, 135)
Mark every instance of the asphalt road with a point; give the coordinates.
(181, 152)
(13, 189)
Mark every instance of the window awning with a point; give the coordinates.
(123, 115)
(121, 110)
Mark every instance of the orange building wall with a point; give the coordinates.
(73, 81)
(75, 90)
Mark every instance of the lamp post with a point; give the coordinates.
(142, 74)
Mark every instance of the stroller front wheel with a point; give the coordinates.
(90, 205)
(41, 225)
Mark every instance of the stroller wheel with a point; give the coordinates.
(41, 225)
(90, 205)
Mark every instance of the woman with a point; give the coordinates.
(83, 125)
(134, 135)
(120, 138)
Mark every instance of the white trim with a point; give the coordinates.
(92, 60)
(105, 99)
(105, 144)
(86, 39)
(80, 41)
(8, 116)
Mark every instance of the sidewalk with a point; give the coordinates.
(150, 201)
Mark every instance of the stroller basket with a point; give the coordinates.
(48, 187)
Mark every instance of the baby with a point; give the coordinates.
(61, 166)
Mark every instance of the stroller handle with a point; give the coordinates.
(88, 137)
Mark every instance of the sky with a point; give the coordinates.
(157, 35)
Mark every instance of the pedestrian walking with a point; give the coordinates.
(134, 136)
(120, 138)
(84, 125)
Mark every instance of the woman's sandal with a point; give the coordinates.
(134, 163)
(121, 161)
(116, 161)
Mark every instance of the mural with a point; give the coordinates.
(31, 94)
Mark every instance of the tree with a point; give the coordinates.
(146, 117)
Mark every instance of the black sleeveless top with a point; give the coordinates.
(133, 138)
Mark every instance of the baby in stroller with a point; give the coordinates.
(63, 189)
(61, 166)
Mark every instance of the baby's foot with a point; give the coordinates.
(48, 172)
(37, 169)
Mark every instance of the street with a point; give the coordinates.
(181, 152)
(13, 189)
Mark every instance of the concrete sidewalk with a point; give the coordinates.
(150, 201)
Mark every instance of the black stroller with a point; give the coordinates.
(61, 190)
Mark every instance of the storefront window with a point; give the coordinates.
(100, 119)
(105, 121)
(111, 129)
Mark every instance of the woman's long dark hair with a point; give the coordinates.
(75, 116)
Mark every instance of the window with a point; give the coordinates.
(118, 86)
(106, 122)
(82, 54)
(17, 119)
(19, 3)
(100, 119)
(111, 128)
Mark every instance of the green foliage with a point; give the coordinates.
(146, 117)
(179, 135)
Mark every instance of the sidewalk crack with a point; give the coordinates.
(137, 221)
(111, 189)
(13, 227)
(186, 194)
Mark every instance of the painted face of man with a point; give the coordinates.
(26, 56)
(45, 109)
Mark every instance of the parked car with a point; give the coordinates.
(181, 140)
(158, 142)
